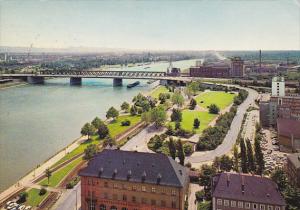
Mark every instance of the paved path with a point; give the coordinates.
(139, 141)
(192, 198)
(231, 136)
(68, 199)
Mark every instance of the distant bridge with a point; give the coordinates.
(76, 76)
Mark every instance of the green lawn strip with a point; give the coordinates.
(57, 176)
(115, 127)
(221, 99)
(157, 91)
(34, 199)
(188, 117)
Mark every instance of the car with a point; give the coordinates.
(22, 207)
(8, 203)
(28, 208)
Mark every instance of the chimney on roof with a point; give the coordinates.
(128, 174)
(228, 179)
(158, 178)
(100, 171)
(243, 184)
(115, 172)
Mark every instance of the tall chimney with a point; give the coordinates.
(259, 58)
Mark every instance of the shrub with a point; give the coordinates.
(42, 191)
(188, 149)
(22, 197)
(125, 123)
(200, 195)
(214, 109)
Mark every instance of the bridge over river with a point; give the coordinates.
(76, 76)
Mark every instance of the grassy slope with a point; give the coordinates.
(116, 128)
(60, 174)
(221, 99)
(34, 198)
(157, 91)
(188, 117)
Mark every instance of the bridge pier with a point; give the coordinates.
(117, 82)
(35, 80)
(75, 80)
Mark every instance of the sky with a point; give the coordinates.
(152, 25)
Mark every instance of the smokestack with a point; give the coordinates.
(259, 58)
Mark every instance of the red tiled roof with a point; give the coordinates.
(256, 189)
(288, 127)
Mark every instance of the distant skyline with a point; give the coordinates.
(152, 25)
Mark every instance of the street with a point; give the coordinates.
(68, 199)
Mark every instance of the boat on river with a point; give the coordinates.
(133, 84)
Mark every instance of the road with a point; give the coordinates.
(192, 197)
(139, 141)
(230, 137)
(68, 199)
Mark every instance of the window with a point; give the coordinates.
(270, 207)
(124, 198)
(163, 203)
(153, 189)
(102, 207)
(134, 187)
(92, 206)
(173, 192)
(219, 202)
(254, 206)
(233, 203)
(173, 204)
(115, 185)
(113, 208)
(262, 207)
(277, 208)
(240, 204)
(226, 202)
(247, 205)
(153, 202)
(133, 199)
(143, 188)
(124, 208)
(89, 181)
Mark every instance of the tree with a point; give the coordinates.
(235, 159)
(146, 117)
(112, 113)
(48, 174)
(90, 151)
(176, 115)
(88, 130)
(259, 156)
(214, 109)
(216, 163)
(125, 106)
(172, 148)
(103, 130)
(188, 149)
(196, 123)
(177, 125)
(177, 98)
(243, 157)
(280, 178)
(133, 110)
(22, 197)
(193, 87)
(180, 152)
(108, 141)
(96, 122)
(226, 163)
(206, 174)
(158, 116)
(193, 104)
(250, 157)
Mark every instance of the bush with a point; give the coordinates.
(200, 195)
(22, 197)
(188, 149)
(125, 123)
(214, 109)
(42, 191)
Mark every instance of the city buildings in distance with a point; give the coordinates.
(233, 191)
(126, 180)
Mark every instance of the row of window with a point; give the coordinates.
(246, 205)
(143, 200)
(135, 188)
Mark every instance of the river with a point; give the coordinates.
(36, 121)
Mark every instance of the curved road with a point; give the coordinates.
(230, 137)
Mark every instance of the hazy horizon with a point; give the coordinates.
(152, 25)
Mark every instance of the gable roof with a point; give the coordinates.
(256, 189)
(141, 167)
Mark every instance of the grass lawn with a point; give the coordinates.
(57, 176)
(157, 91)
(221, 99)
(34, 198)
(188, 117)
(116, 128)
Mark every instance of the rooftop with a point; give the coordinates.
(278, 79)
(148, 168)
(295, 159)
(247, 187)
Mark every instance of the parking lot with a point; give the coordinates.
(272, 156)
(13, 205)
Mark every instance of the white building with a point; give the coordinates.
(278, 86)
